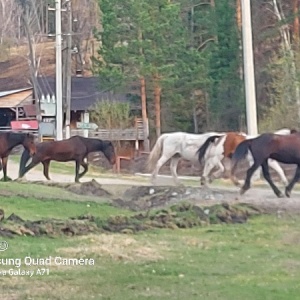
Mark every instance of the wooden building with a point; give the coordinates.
(18, 105)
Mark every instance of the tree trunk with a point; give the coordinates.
(157, 93)
(239, 25)
(144, 114)
(33, 65)
(144, 102)
(296, 22)
(239, 14)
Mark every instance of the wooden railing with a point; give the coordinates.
(129, 134)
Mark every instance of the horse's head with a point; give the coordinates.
(29, 144)
(109, 151)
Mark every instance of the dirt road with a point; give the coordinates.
(263, 197)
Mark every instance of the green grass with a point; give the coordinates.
(256, 260)
(42, 191)
(69, 169)
(33, 209)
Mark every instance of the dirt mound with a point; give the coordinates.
(15, 225)
(140, 198)
(184, 215)
(89, 188)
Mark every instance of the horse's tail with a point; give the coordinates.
(240, 152)
(155, 152)
(24, 159)
(202, 150)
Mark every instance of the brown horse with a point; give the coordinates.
(75, 149)
(283, 148)
(9, 140)
(221, 146)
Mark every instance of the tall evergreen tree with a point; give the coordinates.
(227, 100)
(149, 40)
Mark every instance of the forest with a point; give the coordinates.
(184, 58)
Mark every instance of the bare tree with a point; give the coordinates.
(286, 42)
(31, 10)
(86, 18)
(9, 13)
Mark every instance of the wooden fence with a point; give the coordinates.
(129, 134)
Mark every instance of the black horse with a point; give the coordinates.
(75, 149)
(283, 148)
(9, 140)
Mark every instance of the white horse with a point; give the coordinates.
(214, 154)
(174, 146)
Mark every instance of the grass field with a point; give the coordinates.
(256, 260)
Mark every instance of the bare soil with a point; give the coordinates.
(144, 197)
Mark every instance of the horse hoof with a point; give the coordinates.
(280, 195)
(242, 191)
(5, 179)
(288, 193)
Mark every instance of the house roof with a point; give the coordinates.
(14, 98)
(85, 91)
(6, 93)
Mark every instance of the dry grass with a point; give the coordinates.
(118, 247)
(291, 238)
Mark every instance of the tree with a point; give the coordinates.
(9, 13)
(226, 103)
(31, 20)
(149, 41)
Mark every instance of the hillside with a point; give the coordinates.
(14, 65)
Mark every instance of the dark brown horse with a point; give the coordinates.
(9, 140)
(283, 148)
(75, 149)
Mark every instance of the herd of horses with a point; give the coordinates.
(212, 148)
(209, 149)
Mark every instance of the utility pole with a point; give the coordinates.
(249, 69)
(58, 38)
(68, 70)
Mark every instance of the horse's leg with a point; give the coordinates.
(46, 165)
(250, 172)
(289, 188)
(256, 175)
(159, 164)
(85, 167)
(173, 168)
(221, 169)
(33, 163)
(232, 172)
(276, 167)
(77, 166)
(266, 173)
(208, 166)
(4, 165)
(232, 177)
